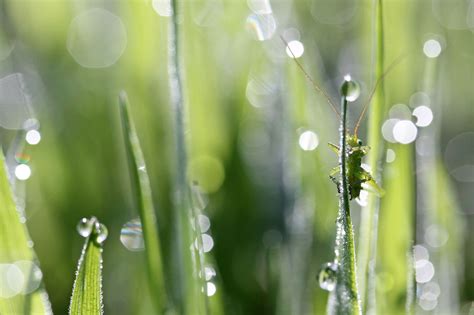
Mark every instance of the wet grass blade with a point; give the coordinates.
(144, 204)
(345, 297)
(87, 290)
(16, 250)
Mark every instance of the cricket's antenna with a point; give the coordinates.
(315, 85)
(377, 83)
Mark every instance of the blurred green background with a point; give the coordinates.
(271, 205)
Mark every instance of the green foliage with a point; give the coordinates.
(144, 204)
(87, 293)
(14, 247)
(345, 297)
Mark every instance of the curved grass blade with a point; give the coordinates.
(15, 251)
(86, 295)
(345, 297)
(144, 203)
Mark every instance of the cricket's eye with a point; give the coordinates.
(359, 142)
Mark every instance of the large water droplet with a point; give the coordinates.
(131, 236)
(327, 276)
(101, 233)
(84, 227)
(350, 89)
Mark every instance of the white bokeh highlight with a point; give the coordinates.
(295, 49)
(308, 140)
(97, 38)
(432, 48)
(405, 131)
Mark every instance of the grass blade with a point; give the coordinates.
(345, 297)
(87, 290)
(369, 215)
(187, 292)
(15, 250)
(144, 204)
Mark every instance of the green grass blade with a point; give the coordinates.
(86, 295)
(369, 224)
(144, 203)
(15, 248)
(345, 297)
(188, 292)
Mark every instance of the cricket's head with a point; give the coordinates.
(354, 141)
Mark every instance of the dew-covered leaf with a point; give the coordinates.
(87, 290)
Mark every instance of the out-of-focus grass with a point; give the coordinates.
(15, 247)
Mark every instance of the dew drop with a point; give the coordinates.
(211, 289)
(101, 233)
(131, 236)
(207, 243)
(327, 276)
(84, 227)
(350, 89)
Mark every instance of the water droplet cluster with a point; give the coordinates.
(327, 276)
(92, 228)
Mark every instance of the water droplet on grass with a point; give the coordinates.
(350, 89)
(327, 276)
(84, 227)
(207, 243)
(204, 223)
(101, 233)
(131, 236)
(32, 276)
(211, 289)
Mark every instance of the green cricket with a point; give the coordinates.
(358, 178)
